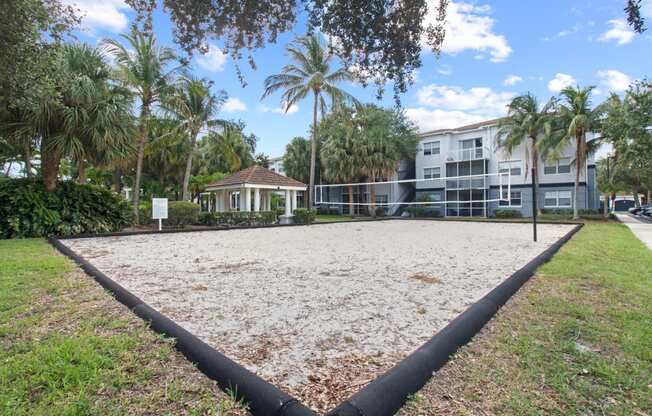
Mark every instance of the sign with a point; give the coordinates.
(159, 210)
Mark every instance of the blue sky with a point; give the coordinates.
(494, 49)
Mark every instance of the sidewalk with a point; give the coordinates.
(641, 229)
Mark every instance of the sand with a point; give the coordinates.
(320, 310)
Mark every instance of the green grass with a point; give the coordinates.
(333, 218)
(577, 340)
(68, 348)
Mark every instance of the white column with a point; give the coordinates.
(288, 203)
(243, 199)
(247, 199)
(256, 199)
(294, 200)
(268, 201)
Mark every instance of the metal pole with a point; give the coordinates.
(534, 206)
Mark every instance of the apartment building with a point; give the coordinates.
(474, 150)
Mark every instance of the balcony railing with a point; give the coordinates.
(473, 153)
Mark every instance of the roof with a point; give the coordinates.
(474, 126)
(257, 175)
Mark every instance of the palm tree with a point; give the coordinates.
(195, 106)
(310, 73)
(575, 119)
(340, 155)
(385, 138)
(88, 118)
(143, 67)
(525, 120)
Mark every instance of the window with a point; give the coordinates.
(514, 201)
(511, 166)
(562, 165)
(382, 199)
(431, 173)
(557, 199)
(431, 148)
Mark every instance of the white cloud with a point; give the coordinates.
(234, 105)
(469, 26)
(281, 109)
(445, 70)
(512, 80)
(619, 32)
(561, 81)
(427, 119)
(568, 32)
(213, 60)
(444, 106)
(613, 80)
(101, 14)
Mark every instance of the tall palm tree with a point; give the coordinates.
(195, 106)
(144, 67)
(311, 72)
(575, 119)
(526, 121)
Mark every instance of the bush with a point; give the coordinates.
(237, 218)
(182, 213)
(304, 215)
(508, 213)
(28, 210)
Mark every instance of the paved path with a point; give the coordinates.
(641, 228)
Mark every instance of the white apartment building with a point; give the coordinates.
(474, 150)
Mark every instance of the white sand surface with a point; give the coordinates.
(319, 310)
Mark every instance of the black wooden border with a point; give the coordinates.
(383, 396)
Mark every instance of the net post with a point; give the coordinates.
(534, 206)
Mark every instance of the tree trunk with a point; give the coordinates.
(373, 198)
(578, 169)
(605, 207)
(81, 172)
(117, 180)
(186, 175)
(142, 140)
(637, 202)
(28, 159)
(9, 165)
(50, 160)
(535, 167)
(313, 151)
(351, 212)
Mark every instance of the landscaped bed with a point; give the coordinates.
(319, 311)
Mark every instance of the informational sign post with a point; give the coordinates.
(160, 210)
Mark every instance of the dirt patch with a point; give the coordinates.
(422, 277)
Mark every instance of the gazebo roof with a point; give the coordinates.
(257, 176)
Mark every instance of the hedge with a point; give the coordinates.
(304, 215)
(507, 213)
(28, 210)
(238, 218)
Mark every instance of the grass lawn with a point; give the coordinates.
(68, 348)
(334, 218)
(577, 339)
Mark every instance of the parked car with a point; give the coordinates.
(639, 210)
(647, 211)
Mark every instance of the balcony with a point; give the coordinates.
(464, 155)
(467, 182)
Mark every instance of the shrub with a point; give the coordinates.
(508, 213)
(28, 210)
(304, 215)
(182, 213)
(237, 218)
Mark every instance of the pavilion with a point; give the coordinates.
(251, 190)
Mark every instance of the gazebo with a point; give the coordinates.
(251, 190)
